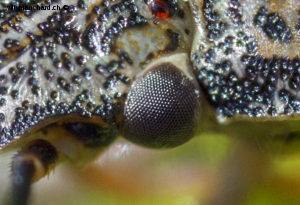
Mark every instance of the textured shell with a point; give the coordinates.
(81, 61)
(78, 63)
(246, 56)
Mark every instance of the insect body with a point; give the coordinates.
(66, 77)
(148, 70)
(247, 60)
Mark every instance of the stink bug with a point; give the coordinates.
(76, 77)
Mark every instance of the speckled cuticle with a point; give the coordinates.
(78, 61)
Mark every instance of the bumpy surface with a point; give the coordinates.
(82, 60)
(79, 60)
(246, 56)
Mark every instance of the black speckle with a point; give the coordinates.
(49, 75)
(298, 26)
(25, 104)
(33, 81)
(36, 90)
(2, 102)
(81, 60)
(61, 82)
(67, 64)
(3, 90)
(2, 117)
(86, 73)
(33, 67)
(174, 41)
(81, 4)
(294, 82)
(89, 36)
(14, 94)
(3, 79)
(97, 10)
(181, 14)
(11, 43)
(54, 95)
(215, 26)
(273, 25)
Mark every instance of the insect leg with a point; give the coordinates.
(73, 142)
(30, 164)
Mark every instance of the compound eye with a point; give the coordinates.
(161, 108)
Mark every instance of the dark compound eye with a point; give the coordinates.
(161, 108)
(160, 9)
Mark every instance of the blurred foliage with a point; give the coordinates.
(186, 175)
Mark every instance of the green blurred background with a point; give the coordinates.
(187, 175)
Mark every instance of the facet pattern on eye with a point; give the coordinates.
(161, 108)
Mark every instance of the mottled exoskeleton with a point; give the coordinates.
(246, 58)
(74, 79)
